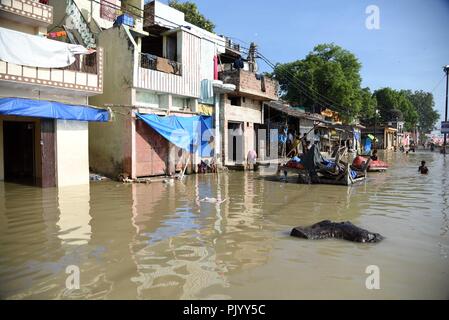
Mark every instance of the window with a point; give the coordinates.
(235, 101)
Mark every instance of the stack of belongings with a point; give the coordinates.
(295, 163)
(315, 163)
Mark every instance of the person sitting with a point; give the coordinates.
(423, 169)
(374, 156)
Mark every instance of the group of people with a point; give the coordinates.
(422, 169)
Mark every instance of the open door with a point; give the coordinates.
(19, 153)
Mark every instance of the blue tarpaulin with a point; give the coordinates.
(185, 132)
(367, 146)
(51, 109)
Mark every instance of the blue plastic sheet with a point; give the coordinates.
(367, 146)
(51, 109)
(185, 132)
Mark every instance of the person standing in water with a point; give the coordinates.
(374, 155)
(423, 169)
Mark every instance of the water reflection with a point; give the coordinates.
(159, 241)
(74, 216)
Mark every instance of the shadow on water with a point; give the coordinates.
(159, 241)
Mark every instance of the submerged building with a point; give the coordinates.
(44, 89)
(241, 112)
(159, 79)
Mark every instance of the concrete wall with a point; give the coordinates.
(249, 113)
(72, 156)
(112, 144)
(247, 84)
(21, 27)
(2, 166)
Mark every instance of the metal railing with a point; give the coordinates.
(149, 61)
(232, 45)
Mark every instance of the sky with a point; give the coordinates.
(408, 51)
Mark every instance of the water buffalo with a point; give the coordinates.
(340, 230)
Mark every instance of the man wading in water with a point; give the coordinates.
(423, 169)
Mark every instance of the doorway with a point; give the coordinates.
(235, 142)
(19, 151)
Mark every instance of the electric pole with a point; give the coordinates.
(446, 69)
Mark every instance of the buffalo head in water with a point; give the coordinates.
(340, 230)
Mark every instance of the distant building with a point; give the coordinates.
(386, 136)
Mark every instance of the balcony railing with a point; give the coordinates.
(85, 75)
(37, 12)
(149, 61)
(232, 45)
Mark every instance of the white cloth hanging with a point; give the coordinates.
(36, 51)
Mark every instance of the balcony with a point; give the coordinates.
(149, 61)
(83, 77)
(166, 76)
(249, 84)
(30, 12)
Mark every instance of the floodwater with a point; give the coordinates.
(159, 241)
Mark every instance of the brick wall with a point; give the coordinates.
(247, 84)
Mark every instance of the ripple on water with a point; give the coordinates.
(159, 242)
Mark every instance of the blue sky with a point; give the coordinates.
(408, 51)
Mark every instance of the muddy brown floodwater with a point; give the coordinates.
(159, 241)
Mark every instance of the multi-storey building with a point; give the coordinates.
(159, 67)
(241, 111)
(44, 90)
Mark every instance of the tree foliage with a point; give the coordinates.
(424, 105)
(192, 14)
(369, 105)
(328, 77)
(395, 105)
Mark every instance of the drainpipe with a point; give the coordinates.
(219, 90)
(217, 125)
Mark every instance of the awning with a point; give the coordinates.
(36, 51)
(290, 111)
(184, 132)
(51, 109)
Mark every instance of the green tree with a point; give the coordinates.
(328, 77)
(394, 105)
(424, 105)
(369, 105)
(192, 14)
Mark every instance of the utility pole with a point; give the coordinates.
(376, 112)
(446, 69)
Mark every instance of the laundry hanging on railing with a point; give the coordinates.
(35, 51)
